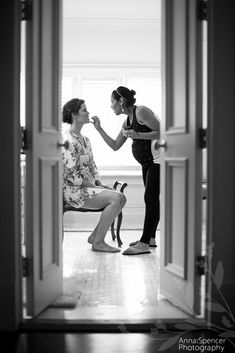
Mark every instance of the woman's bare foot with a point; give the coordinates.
(91, 238)
(103, 247)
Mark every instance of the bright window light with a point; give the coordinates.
(95, 87)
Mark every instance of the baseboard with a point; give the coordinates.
(76, 220)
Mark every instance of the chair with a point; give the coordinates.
(117, 184)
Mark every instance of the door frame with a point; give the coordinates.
(10, 134)
(221, 56)
(221, 149)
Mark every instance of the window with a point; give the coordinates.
(95, 86)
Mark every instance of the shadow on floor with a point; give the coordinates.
(61, 342)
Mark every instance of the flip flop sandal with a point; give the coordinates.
(133, 243)
(136, 242)
(131, 251)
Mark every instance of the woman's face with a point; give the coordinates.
(83, 115)
(116, 106)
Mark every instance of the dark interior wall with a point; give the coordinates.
(221, 185)
(10, 161)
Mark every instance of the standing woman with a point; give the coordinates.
(82, 185)
(142, 126)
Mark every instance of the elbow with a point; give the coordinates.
(115, 148)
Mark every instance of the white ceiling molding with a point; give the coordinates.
(131, 21)
(112, 65)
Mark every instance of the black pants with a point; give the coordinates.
(151, 178)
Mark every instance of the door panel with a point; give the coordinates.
(49, 252)
(43, 159)
(181, 167)
(175, 231)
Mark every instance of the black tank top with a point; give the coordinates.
(141, 149)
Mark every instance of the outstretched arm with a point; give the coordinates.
(114, 144)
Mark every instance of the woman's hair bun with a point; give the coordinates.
(71, 107)
(127, 94)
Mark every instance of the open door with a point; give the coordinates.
(43, 232)
(181, 165)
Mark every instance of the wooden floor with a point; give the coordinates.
(114, 287)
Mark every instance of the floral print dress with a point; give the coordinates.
(79, 164)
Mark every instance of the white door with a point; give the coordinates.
(43, 158)
(181, 167)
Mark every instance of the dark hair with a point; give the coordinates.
(70, 107)
(116, 96)
(125, 93)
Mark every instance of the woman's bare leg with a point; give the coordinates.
(113, 202)
(91, 238)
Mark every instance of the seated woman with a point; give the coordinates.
(82, 185)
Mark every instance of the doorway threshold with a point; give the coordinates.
(97, 319)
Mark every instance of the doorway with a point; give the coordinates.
(89, 75)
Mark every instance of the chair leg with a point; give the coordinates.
(113, 231)
(119, 222)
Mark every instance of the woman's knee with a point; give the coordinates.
(123, 199)
(120, 198)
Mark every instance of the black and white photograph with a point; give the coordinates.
(118, 176)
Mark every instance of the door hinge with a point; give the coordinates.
(26, 10)
(202, 138)
(202, 10)
(201, 265)
(26, 266)
(24, 139)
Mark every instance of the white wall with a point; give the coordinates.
(121, 34)
(133, 212)
(112, 9)
(111, 32)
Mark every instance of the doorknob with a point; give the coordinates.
(161, 144)
(65, 145)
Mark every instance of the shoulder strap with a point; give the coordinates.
(128, 124)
